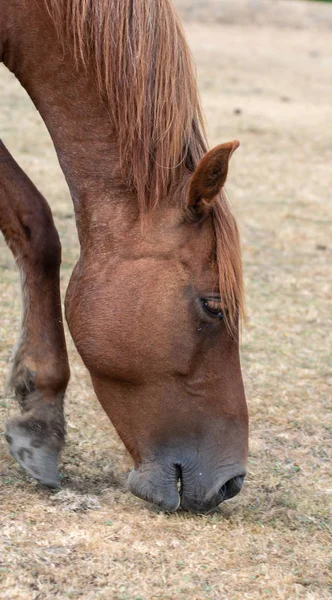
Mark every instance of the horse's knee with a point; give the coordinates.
(44, 242)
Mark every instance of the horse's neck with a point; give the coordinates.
(70, 106)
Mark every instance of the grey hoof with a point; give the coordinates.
(34, 455)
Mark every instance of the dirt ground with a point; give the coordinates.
(271, 87)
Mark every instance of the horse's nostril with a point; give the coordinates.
(232, 487)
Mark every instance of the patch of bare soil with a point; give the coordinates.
(296, 14)
(271, 88)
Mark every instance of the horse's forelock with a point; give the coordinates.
(228, 255)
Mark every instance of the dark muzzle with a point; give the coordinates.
(193, 488)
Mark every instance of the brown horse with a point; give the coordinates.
(155, 299)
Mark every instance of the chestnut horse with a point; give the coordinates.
(155, 299)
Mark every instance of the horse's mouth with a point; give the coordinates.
(173, 488)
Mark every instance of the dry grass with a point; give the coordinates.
(272, 89)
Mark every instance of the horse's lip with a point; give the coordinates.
(172, 486)
(152, 486)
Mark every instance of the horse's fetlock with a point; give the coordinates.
(53, 380)
(29, 384)
(22, 382)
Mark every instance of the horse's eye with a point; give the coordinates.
(213, 308)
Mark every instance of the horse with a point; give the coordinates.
(155, 301)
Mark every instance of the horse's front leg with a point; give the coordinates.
(40, 370)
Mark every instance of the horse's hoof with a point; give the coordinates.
(33, 453)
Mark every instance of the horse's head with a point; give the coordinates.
(155, 320)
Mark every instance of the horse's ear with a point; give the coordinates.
(209, 177)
